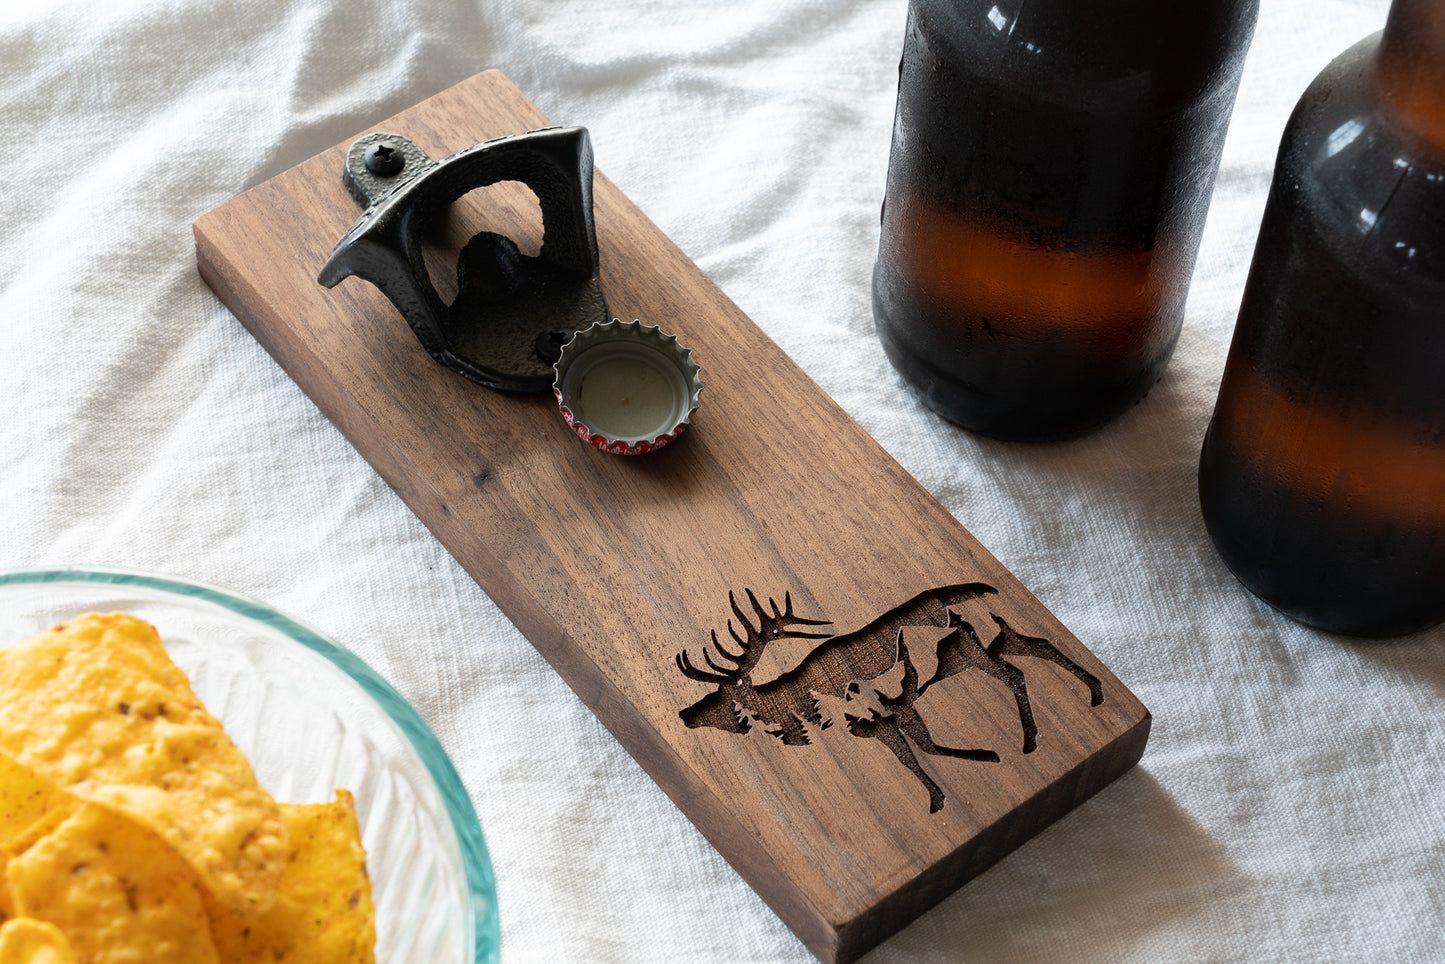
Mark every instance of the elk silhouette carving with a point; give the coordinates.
(877, 673)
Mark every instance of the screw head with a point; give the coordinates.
(385, 159)
(549, 344)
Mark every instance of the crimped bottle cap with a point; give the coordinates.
(626, 387)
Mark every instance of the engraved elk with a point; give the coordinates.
(875, 671)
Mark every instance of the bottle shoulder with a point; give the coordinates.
(1104, 55)
(1358, 176)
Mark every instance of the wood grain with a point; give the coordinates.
(613, 566)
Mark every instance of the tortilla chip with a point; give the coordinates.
(30, 808)
(323, 913)
(24, 798)
(97, 707)
(26, 941)
(117, 892)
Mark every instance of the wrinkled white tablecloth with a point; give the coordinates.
(1291, 804)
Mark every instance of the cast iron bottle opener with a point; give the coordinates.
(513, 312)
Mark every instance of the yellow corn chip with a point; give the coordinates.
(323, 913)
(29, 809)
(26, 941)
(24, 798)
(97, 707)
(115, 890)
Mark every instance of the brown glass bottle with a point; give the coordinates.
(1051, 167)
(1322, 478)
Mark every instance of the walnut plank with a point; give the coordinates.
(613, 566)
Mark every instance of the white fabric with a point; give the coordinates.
(1291, 804)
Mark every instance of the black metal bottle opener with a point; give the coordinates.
(513, 312)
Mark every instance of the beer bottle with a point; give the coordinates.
(1322, 478)
(1051, 166)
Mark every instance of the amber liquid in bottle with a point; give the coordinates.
(1051, 167)
(1322, 479)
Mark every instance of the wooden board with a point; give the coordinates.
(842, 804)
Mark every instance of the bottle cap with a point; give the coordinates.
(625, 387)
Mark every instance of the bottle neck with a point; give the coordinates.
(1411, 67)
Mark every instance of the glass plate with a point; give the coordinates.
(311, 717)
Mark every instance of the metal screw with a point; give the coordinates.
(549, 344)
(385, 159)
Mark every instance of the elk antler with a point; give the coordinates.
(780, 620)
(723, 675)
(777, 624)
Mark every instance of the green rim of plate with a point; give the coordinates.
(481, 883)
